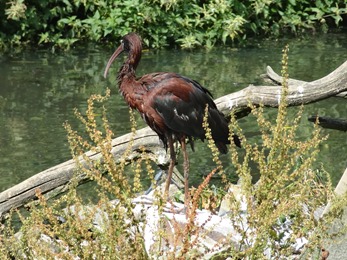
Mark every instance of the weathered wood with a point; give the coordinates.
(56, 178)
(331, 123)
(341, 187)
(273, 77)
(300, 92)
(340, 190)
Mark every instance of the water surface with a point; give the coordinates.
(39, 90)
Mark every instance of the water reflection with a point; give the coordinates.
(40, 89)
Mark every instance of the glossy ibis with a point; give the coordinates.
(171, 104)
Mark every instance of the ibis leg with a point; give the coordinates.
(171, 166)
(186, 173)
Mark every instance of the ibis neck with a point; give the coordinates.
(129, 66)
(126, 71)
(128, 86)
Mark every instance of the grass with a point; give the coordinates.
(269, 216)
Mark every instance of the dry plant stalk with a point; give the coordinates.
(288, 190)
(64, 226)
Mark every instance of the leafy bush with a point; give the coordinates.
(161, 22)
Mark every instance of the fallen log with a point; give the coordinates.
(299, 92)
(331, 123)
(55, 180)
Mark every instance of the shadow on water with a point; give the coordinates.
(40, 89)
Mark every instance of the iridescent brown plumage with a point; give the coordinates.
(171, 104)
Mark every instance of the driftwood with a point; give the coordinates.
(331, 123)
(55, 180)
(300, 92)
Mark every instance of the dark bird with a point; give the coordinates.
(171, 104)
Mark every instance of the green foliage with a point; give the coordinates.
(160, 22)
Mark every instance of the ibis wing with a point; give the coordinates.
(177, 104)
(181, 104)
(180, 115)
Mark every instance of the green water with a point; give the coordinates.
(40, 89)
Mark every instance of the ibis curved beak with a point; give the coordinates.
(119, 50)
